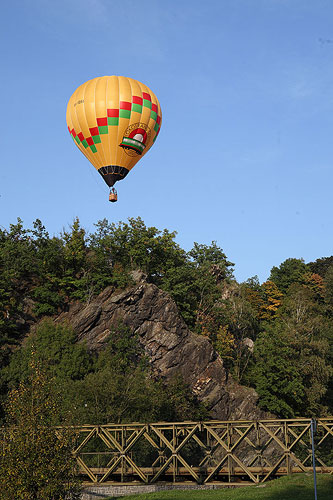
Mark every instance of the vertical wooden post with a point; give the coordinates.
(287, 442)
(229, 441)
(174, 446)
(122, 458)
(258, 447)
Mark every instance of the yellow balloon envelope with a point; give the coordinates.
(114, 121)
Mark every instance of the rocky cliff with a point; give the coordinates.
(170, 346)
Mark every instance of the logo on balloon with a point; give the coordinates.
(135, 139)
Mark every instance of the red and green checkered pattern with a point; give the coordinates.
(112, 119)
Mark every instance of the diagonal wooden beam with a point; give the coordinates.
(111, 469)
(109, 440)
(162, 469)
(322, 423)
(309, 457)
(270, 439)
(86, 469)
(265, 459)
(112, 460)
(217, 468)
(210, 450)
(245, 469)
(163, 438)
(274, 468)
(135, 439)
(242, 437)
(200, 443)
(151, 441)
(217, 437)
(264, 446)
(274, 437)
(328, 430)
(85, 441)
(224, 434)
(299, 462)
(299, 436)
(186, 439)
(285, 449)
(188, 468)
(247, 439)
(290, 430)
(136, 468)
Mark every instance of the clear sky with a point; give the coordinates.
(245, 152)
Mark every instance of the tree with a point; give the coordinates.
(122, 389)
(36, 460)
(290, 271)
(310, 334)
(271, 301)
(243, 323)
(277, 378)
(212, 255)
(46, 290)
(292, 364)
(255, 294)
(17, 267)
(316, 284)
(194, 289)
(133, 245)
(108, 395)
(75, 248)
(321, 266)
(55, 347)
(329, 288)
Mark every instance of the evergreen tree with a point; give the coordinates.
(289, 272)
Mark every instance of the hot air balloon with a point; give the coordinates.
(114, 121)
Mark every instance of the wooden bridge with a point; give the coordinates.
(201, 452)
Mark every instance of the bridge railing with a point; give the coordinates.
(202, 452)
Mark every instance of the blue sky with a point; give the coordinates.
(245, 152)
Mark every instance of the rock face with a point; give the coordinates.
(171, 347)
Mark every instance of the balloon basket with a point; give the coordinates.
(113, 197)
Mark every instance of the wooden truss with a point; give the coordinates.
(202, 452)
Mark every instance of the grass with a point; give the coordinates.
(295, 487)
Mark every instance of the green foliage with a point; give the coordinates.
(135, 246)
(48, 273)
(16, 267)
(181, 282)
(276, 336)
(320, 266)
(41, 275)
(196, 283)
(292, 369)
(289, 272)
(114, 386)
(212, 255)
(56, 348)
(109, 396)
(123, 351)
(36, 462)
(329, 288)
(278, 380)
(122, 389)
